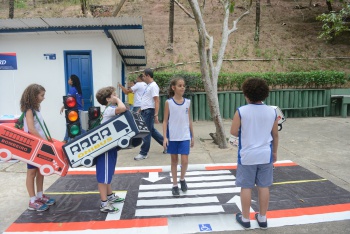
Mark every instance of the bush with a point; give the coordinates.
(233, 81)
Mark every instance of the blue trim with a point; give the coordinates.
(80, 28)
(133, 47)
(134, 57)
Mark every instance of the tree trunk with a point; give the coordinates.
(329, 5)
(83, 4)
(11, 8)
(257, 22)
(209, 80)
(118, 8)
(171, 25)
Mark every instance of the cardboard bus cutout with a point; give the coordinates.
(47, 156)
(125, 130)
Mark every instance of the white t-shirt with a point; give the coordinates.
(138, 90)
(108, 113)
(36, 124)
(255, 135)
(151, 90)
(179, 124)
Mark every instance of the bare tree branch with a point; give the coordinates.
(184, 9)
(118, 8)
(234, 27)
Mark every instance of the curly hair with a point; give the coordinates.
(255, 89)
(173, 82)
(29, 99)
(104, 93)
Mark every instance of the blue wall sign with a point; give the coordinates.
(8, 61)
(50, 56)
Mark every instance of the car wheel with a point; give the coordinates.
(46, 170)
(5, 154)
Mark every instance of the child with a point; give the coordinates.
(106, 162)
(31, 98)
(75, 91)
(256, 125)
(178, 131)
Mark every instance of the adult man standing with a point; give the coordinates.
(138, 90)
(149, 112)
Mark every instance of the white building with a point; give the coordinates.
(48, 50)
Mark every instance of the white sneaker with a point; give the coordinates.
(140, 157)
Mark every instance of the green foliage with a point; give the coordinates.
(276, 80)
(334, 23)
(20, 4)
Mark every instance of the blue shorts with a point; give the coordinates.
(105, 166)
(249, 175)
(179, 147)
(31, 166)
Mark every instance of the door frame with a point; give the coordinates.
(66, 75)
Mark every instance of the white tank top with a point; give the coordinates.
(178, 123)
(255, 134)
(36, 124)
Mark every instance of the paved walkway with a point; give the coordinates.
(321, 145)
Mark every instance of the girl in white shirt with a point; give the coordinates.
(178, 131)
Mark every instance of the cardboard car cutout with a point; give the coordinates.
(17, 144)
(125, 130)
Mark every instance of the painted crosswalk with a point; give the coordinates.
(204, 188)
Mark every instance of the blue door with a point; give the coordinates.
(79, 63)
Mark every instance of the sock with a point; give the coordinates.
(32, 199)
(110, 195)
(175, 186)
(103, 203)
(261, 218)
(182, 180)
(245, 220)
(39, 194)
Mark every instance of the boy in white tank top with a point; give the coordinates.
(256, 125)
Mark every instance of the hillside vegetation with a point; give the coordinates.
(288, 36)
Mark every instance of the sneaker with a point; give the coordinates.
(47, 200)
(262, 225)
(175, 191)
(183, 185)
(245, 225)
(140, 157)
(38, 206)
(116, 199)
(109, 208)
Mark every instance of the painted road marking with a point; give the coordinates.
(208, 178)
(195, 173)
(191, 192)
(178, 211)
(178, 201)
(313, 195)
(190, 185)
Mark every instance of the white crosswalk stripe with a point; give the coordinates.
(206, 186)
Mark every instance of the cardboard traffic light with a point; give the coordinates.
(94, 114)
(72, 116)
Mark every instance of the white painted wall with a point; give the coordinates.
(33, 68)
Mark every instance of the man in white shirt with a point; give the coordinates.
(149, 111)
(138, 90)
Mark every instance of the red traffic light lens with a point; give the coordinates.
(94, 112)
(71, 102)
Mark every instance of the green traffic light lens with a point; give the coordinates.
(74, 130)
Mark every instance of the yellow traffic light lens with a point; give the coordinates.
(73, 116)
